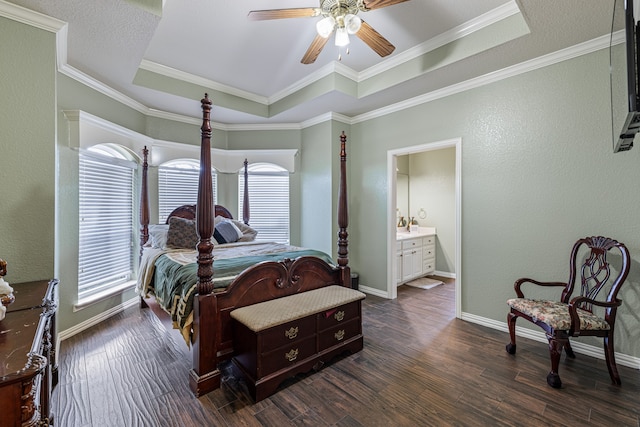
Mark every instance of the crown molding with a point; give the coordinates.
(463, 30)
(47, 23)
(30, 17)
(98, 86)
(164, 70)
(329, 69)
(327, 117)
(524, 67)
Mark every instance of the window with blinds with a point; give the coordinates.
(106, 231)
(268, 201)
(178, 185)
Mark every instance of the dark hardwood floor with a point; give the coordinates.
(420, 367)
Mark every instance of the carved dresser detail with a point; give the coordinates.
(28, 370)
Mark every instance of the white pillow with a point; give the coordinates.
(248, 234)
(158, 235)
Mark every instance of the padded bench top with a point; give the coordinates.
(263, 315)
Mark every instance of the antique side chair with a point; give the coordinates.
(574, 316)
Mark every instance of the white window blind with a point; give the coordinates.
(106, 209)
(268, 201)
(178, 185)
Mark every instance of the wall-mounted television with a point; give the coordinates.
(632, 38)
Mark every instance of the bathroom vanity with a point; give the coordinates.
(415, 253)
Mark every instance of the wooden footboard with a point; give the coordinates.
(213, 333)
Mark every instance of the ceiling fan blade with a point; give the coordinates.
(375, 41)
(301, 12)
(377, 4)
(314, 49)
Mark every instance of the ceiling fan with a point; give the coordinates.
(339, 16)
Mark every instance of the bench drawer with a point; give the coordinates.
(338, 315)
(338, 334)
(286, 356)
(280, 335)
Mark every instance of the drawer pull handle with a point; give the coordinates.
(339, 316)
(291, 355)
(339, 335)
(291, 333)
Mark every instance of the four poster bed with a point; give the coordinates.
(207, 326)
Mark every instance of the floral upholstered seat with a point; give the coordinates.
(556, 314)
(571, 316)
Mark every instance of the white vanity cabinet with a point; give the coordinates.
(429, 254)
(415, 256)
(411, 259)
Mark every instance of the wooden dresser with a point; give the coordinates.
(267, 352)
(28, 370)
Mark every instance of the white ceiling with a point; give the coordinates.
(211, 44)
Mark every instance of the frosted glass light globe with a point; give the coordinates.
(352, 23)
(325, 26)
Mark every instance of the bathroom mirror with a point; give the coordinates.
(402, 193)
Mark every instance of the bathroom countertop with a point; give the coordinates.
(404, 234)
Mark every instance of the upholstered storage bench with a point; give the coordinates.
(280, 338)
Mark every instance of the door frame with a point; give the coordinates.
(392, 163)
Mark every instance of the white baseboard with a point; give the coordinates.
(67, 333)
(373, 291)
(446, 274)
(578, 347)
(383, 293)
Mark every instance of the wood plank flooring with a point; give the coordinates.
(420, 367)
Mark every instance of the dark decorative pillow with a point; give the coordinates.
(182, 233)
(226, 232)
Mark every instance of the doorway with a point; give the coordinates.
(392, 165)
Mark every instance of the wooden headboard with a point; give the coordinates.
(189, 212)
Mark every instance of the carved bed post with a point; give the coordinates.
(343, 215)
(245, 204)
(204, 206)
(144, 201)
(205, 375)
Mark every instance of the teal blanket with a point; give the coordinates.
(174, 284)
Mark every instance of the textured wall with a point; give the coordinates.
(538, 172)
(27, 151)
(432, 187)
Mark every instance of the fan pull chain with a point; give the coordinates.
(340, 53)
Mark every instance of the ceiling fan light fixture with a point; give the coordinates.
(352, 23)
(325, 26)
(342, 36)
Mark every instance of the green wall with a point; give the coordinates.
(432, 187)
(538, 172)
(27, 151)
(316, 193)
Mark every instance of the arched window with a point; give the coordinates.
(106, 219)
(268, 201)
(178, 185)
